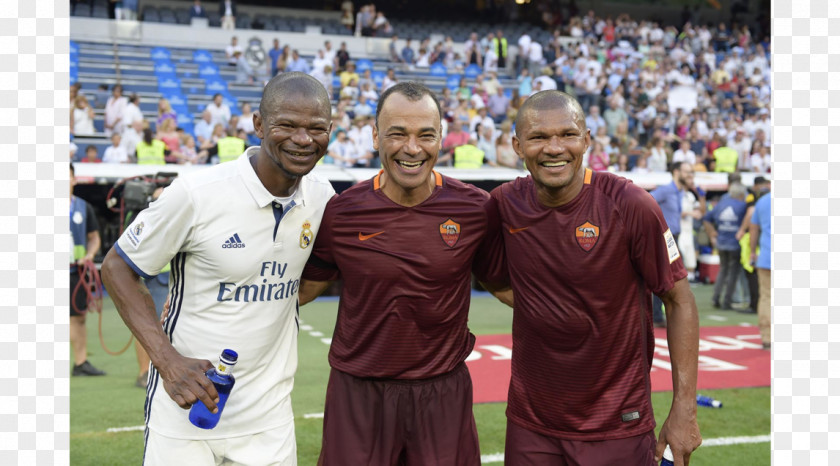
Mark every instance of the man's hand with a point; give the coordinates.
(165, 313)
(681, 432)
(185, 381)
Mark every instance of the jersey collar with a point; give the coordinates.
(261, 195)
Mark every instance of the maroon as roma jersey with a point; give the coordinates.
(406, 271)
(582, 327)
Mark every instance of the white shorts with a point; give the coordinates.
(273, 447)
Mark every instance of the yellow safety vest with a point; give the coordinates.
(468, 156)
(230, 148)
(726, 159)
(495, 45)
(151, 154)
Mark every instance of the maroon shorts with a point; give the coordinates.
(400, 422)
(524, 447)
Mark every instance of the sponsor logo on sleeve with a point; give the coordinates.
(135, 234)
(671, 245)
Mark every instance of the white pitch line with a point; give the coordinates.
(718, 318)
(712, 442)
(316, 334)
(313, 416)
(306, 328)
(326, 341)
(125, 429)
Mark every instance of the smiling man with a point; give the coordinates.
(238, 236)
(404, 243)
(583, 249)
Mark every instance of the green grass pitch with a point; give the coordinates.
(100, 403)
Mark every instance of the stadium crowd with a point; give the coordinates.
(654, 95)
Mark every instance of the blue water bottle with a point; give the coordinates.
(667, 457)
(708, 402)
(223, 380)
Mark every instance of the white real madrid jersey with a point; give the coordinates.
(237, 258)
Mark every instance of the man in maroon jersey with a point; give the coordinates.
(584, 250)
(404, 243)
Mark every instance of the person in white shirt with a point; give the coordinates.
(684, 153)
(535, 58)
(319, 62)
(343, 150)
(524, 45)
(130, 137)
(231, 49)
(114, 110)
(742, 144)
(115, 153)
(760, 160)
(219, 111)
(132, 111)
(238, 236)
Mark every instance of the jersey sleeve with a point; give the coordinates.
(321, 264)
(159, 232)
(490, 264)
(653, 248)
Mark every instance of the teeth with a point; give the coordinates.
(554, 164)
(409, 164)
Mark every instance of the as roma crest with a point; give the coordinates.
(450, 231)
(587, 236)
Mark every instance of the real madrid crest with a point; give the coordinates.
(138, 229)
(306, 235)
(449, 232)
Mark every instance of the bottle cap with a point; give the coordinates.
(229, 357)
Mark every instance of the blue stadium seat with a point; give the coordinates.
(169, 84)
(378, 77)
(231, 102)
(363, 64)
(164, 67)
(74, 48)
(202, 56)
(472, 71)
(176, 99)
(208, 70)
(453, 80)
(214, 85)
(437, 69)
(160, 53)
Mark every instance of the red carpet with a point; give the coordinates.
(730, 357)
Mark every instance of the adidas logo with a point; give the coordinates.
(233, 242)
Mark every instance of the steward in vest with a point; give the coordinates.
(151, 151)
(229, 147)
(468, 155)
(500, 46)
(726, 159)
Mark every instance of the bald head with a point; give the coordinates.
(549, 100)
(295, 84)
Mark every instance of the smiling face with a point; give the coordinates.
(295, 132)
(408, 139)
(551, 141)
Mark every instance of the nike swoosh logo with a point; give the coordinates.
(514, 231)
(367, 237)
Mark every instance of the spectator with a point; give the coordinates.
(725, 158)
(219, 111)
(487, 143)
(342, 150)
(535, 57)
(497, 105)
(657, 158)
(166, 133)
(132, 111)
(297, 63)
(165, 111)
(204, 129)
(349, 74)
(524, 79)
(130, 137)
(197, 10)
(273, 55)
(231, 49)
(284, 58)
(246, 123)
(381, 26)
(389, 80)
(505, 155)
(189, 152)
(594, 120)
(742, 145)
(500, 46)
(84, 233)
(244, 72)
(721, 224)
(407, 53)
(598, 158)
(761, 162)
(614, 115)
(115, 153)
(480, 119)
(227, 10)
(100, 97)
(91, 155)
(81, 121)
(760, 235)
(347, 19)
(319, 62)
(114, 110)
(468, 155)
(342, 56)
(456, 137)
(684, 153)
(524, 45)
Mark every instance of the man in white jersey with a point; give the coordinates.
(238, 236)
